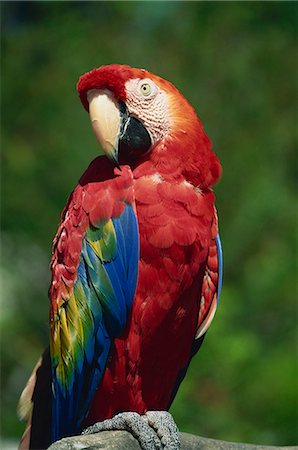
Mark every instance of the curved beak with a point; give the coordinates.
(106, 121)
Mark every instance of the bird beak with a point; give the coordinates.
(106, 121)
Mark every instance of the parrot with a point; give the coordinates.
(136, 267)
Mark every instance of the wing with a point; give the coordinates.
(211, 288)
(95, 269)
(212, 283)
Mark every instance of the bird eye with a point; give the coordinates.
(145, 89)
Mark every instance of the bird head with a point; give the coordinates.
(138, 116)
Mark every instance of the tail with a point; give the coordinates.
(35, 405)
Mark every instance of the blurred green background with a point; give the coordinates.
(237, 64)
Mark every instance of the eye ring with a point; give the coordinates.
(145, 89)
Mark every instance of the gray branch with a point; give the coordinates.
(122, 440)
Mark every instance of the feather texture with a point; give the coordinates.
(178, 229)
(136, 268)
(95, 298)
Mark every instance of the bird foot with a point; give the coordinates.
(155, 430)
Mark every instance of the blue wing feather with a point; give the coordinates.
(220, 265)
(103, 294)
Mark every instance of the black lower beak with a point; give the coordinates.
(134, 139)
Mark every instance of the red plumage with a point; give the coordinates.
(177, 224)
(89, 204)
(170, 188)
(175, 216)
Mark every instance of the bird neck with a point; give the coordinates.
(185, 155)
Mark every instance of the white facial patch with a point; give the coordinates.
(149, 104)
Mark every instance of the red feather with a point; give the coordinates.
(89, 203)
(175, 221)
(178, 266)
(177, 225)
(175, 210)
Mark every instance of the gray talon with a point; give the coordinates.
(156, 430)
(132, 422)
(166, 428)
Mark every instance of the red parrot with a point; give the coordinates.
(136, 265)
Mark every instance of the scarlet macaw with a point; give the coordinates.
(136, 265)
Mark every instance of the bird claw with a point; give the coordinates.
(165, 427)
(156, 430)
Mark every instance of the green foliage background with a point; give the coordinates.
(237, 64)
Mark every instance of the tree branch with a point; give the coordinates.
(122, 440)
